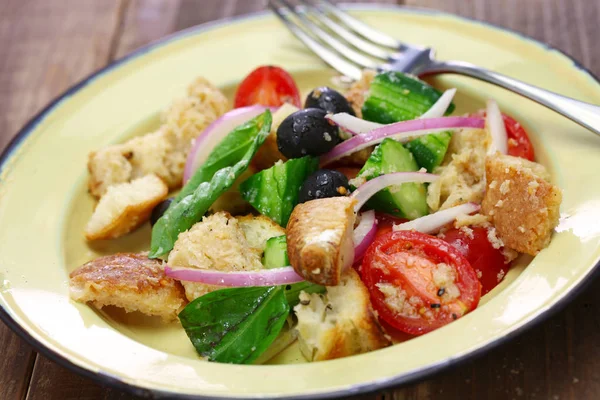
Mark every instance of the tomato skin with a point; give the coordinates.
(267, 86)
(523, 147)
(519, 144)
(488, 262)
(405, 259)
(386, 222)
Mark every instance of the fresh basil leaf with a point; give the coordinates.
(229, 151)
(180, 216)
(235, 325)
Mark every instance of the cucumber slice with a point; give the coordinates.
(408, 200)
(395, 97)
(430, 150)
(274, 191)
(275, 255)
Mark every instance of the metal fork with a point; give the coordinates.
(349, 45)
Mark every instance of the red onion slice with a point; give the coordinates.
(263, 277)
(364, 234)
(495, 125)
(352, 124)
(401, 131)
(441, 105)
(365, 191)
(214, 133)
(434, 222)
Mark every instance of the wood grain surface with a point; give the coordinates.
(48, 45)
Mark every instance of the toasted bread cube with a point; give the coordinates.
(216, 243)
(339, 323)
(259, 229)
(521, 203)
(319, 239)
(461, 176)
(358, 91)
(164, 151)
(129, 281)
(124, 207)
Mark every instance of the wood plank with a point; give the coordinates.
(53, 382)
(46, 47)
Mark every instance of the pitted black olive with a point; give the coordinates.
(323, 183)
(159, 210)
(307, 133)
(328, 100)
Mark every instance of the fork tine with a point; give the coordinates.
(334, 43)
(365, 30)
(340, 64)
(344, 33)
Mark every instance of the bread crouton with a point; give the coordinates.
(339, 323)
(129, 281)
(268, 154)
(216, 243)
(462, 172)
(124, 207)
(358, 91)
(163, 152)
(522, 205)
(259, 229)
(319, 239)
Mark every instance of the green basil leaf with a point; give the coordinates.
(235, 325)
(180, 216)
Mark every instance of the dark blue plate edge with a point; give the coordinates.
(105, 379)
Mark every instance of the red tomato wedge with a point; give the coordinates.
(267, 86)
(418, 282)
(519, 144)
(386, 222)
(488, 262)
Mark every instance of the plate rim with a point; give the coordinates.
(105, 379)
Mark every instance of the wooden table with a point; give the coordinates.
(48, 45)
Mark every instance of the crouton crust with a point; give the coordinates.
(521, 203)
(340, 323)
(319, 238)
(358, 91)
(164, 151)
(258, 229)
(125, 207)
(216, 243)
(130, 281)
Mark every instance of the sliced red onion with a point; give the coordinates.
(364, 234)
(441, 105)
(214, 133)
(434, 222)
(495, 125)
(401, 131)
(263, 277)
(352, 124)
(365, 191)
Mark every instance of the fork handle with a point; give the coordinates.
(585, 114)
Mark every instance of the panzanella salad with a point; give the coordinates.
(338, 223)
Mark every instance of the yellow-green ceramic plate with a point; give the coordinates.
(44, 206)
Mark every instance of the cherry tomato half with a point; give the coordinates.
(488, 262)
(418, 282)
(268, 86)
(386, 222)
(519, 144)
